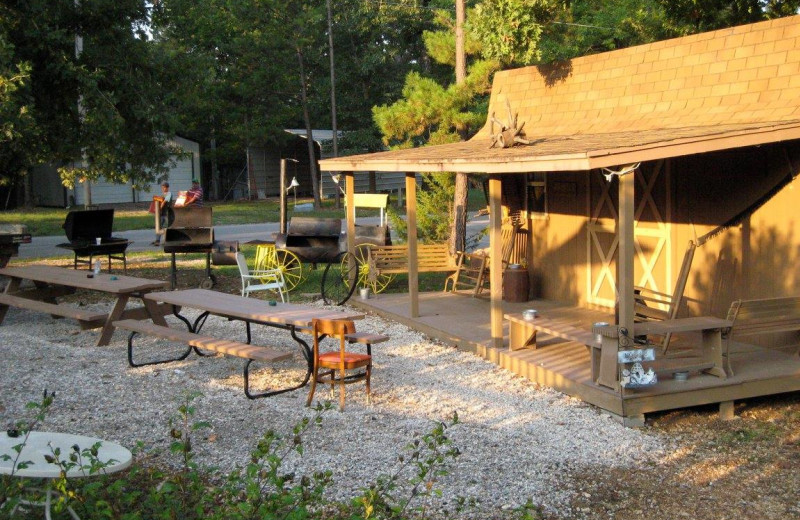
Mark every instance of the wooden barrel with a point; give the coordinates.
(515, 285)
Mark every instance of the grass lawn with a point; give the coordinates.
(48, 221)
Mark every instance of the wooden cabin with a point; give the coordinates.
(668, 167)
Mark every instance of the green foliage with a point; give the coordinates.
(434, 210)
(262, 489)
(105, 105)
(693, 16)
(509, 30)
(429, 113)
(419, 468)
(592, 26)
(441, 44)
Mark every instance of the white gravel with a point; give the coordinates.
(518, 441)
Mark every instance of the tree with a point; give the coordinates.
(430, 113)
(239, 83)
(592, 26)
(693, 16)
(509, 30)
(123, 127)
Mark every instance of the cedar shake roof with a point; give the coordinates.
(712, 91)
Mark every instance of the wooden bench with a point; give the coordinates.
(197, 342)
(88, 319)
(394, 259)
(762, 316)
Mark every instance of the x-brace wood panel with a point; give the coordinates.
(653, 244)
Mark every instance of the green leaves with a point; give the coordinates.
(88, 89)
(509, 30)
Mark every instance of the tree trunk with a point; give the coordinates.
(312, 158)
(458, 236)
(333, 98)
(461, 58)
(458, 229)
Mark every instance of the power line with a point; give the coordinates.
(583, 25)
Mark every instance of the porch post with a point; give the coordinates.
(626, 250)
(609, 371)
(495, 260)
(411, 222)
(350, 210)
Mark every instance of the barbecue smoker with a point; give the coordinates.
(191, 231)
(89, 235)
(11, 236)
(313, 240)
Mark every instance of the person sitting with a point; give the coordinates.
(194, 197)
(164, 213)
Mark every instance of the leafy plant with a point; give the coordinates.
(421, 467)
(262, 489)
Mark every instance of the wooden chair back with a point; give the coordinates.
(331, 367)
(332, 328)
(651, 305)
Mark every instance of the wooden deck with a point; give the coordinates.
(463, 321)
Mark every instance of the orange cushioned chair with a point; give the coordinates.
(332, 367)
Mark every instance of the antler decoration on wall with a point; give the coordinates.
(509, 134)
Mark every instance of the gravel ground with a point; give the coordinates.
(518, 441)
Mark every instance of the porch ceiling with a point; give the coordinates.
(571, 152)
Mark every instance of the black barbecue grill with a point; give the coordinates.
(191, 231)
(83, 228)
(313, 240)
(11, 236)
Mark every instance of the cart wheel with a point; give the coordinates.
(288, 263)
(376, 283)
(208, 283)
(338, 279)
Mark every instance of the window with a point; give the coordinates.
(537, 195)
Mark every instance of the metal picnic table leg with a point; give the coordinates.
(306, 354)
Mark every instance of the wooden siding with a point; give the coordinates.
(759, 257)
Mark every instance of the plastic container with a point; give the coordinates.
(97, 267)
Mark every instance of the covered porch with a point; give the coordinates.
(459, 320)
(628, 155)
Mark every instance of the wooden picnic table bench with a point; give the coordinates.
(51, 282)
(88, 319)
(604, 363)
(522, 332)
(197, 342)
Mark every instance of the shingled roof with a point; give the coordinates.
(712, 91)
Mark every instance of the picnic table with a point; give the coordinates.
(288, 316)
(52, 282)
(35, 449)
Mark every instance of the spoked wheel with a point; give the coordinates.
(339, 279)
(287, 262)
(376, 282)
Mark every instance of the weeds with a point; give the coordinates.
(262, 489)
